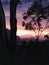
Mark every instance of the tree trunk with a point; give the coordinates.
(37, 41)
(13, 22)
(3, 34)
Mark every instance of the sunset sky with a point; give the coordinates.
(20, 10)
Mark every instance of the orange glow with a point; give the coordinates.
(23, 32)
(8, 25)
(20, 30)
(7, 13)
(30, 33)
(26, 34)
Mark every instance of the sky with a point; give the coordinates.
(20, 10)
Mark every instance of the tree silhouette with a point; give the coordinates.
(13, 21)
(3, 34)
(47, 37)
(37, 13)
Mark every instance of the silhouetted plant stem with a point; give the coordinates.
(13, 21)
(3, 34)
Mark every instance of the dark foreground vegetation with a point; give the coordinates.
(32, 53)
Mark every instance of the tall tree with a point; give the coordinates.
(3, 34)
(13, 21)
(37, 13)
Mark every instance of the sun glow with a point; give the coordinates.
(23, 32)
(30, 33)
(26, 33)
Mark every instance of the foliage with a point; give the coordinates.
(47, 37)
(37, 13)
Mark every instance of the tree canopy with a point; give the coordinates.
(37, 13)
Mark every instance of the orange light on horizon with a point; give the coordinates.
(27, 34)
(23, 32)
(30, 33)
(7, 25)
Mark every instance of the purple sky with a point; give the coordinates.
(20, 10)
